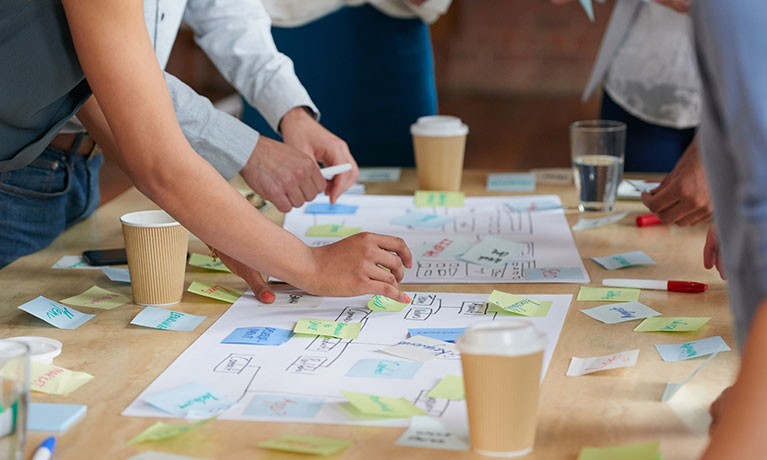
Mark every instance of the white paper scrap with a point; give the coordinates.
(583, 366)
(433, 433)
(74, 262)
(584, 223)
(420, 348)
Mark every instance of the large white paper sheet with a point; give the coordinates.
(545, 233)
(301, 380)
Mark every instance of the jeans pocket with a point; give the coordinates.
(49, 176)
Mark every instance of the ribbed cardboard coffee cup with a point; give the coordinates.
(439, 142)
(156, 246)
(501, 373)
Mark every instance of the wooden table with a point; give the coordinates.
(609, 408)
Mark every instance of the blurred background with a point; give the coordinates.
(513, 70)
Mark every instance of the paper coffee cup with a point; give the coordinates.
(501, 372)
(439, 142)
(156, 246)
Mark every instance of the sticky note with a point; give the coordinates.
(671, 324)
(689, 350)
(384, 369)
(533, 205)
(47, 378)
(518, 304)
(589, 8)
(511, 182)
(269, 336)
(332, 230)
(327, 208)
(162, 430)
(447, 247)
(644, 451)
(626, 259)
(289, 299)
(73, 262)
(583, 366)
(120, 275)
(381, 303)
(207, 262)
(421, 348)
(615, 294)
(283, 406)
(435, 433)
(155, 455)
(96, 297)
(215, 291)
(159, 318)
(55, 314)
(190, 400)
(306, 444)
(382, 406)
(380, 174)
(557, 273)
(673, 388)
(560, 176)
(421, 219)
(328, 328)
(493, 251)
(450, 387)
(54, 417)
(449, 334)
(584, 223)
(619, 312)
(447, 199)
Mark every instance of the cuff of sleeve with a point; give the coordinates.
(283, 93)
(233, 137)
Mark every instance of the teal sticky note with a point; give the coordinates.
(55, 314)
(159, 318)
(589, 8)
(384, 369)
(511, 182)
(54, 417)
(190, 400)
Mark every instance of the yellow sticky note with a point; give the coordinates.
(306, 444)
(327, 328)
(449, 199)
(381, 303)
(669, 324)
(162, 430)
(215, 291)
(382, 406)
(450, 387)
(332, 230)
(199, 260)
(613, 294)
(645, 451)
(518, 305)
(47, 378)
(97, 297)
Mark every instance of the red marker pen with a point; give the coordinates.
(663, 285)
(647, 220)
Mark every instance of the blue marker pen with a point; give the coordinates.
(45, 450)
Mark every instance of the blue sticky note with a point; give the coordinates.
(589, 8)
(533, 205)
(421, 219)
(384, 369)
(190, 400)
(445, 334)
(55, 314)
(54, 417)
(511, 182)
(258, 336)
(694, 349)
(121, 275)
(544, 274)
(159, 318)
(280, 406)
(327, 208)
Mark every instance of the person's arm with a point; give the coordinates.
(115, 52)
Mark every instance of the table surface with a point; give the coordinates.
(613, 407)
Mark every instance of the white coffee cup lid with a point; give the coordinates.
(505, 337)
(41, 349)
(439, 126)
(153, 218)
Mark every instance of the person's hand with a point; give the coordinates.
(253, 277)
(680, 6)
(682, 198)
(301, 131)
(358, 265)
(716, 408)
(712, 257)
(282, 174)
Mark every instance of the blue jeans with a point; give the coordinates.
(42, 200)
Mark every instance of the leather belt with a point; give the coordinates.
(87, 146)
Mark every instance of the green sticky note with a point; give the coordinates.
(382, 406)
(645, 451)
(162, 430)
(327, 328)
(450, 387)
(613, 294)
(199, 260)
(381, 303)
(669, 324)
(449, 199)
(517, 304)
(306, 444)
(332, 230)
(215, 291)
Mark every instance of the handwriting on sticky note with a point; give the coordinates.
(439, 199)
(55, 314)
(583, 366)
(450, 387)
(518, 305)
(332, 230)
(283, 406)
(644, 451)
(626, 259)
(422, 348)
(382, 406)
(619, 312)
(559, 176)
(379, 174)
(694, 349)
(533, 205)
(306, 444)
(327, 208)
(47, 378)
(96, 297)
(511, 182)
(327, 328)
(120, 275)
(448, 247)
(159, 318)
(671, 324)
(215, 291)
(447, 334)
(381, 303)
(190, 400)
(435, 433)
(268, 336)
(421, 219)
(161, 430)
(552, 274)
(384, 368)
(295, 299)
(207, 262)
(584, 223)
(615, 294)
(492, 252)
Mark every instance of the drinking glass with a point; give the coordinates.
(597, 149)
(14, 398)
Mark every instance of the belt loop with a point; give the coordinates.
(76, 144)
(92, 153)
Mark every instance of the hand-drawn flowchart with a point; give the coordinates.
(542, 229)
(302, 379)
